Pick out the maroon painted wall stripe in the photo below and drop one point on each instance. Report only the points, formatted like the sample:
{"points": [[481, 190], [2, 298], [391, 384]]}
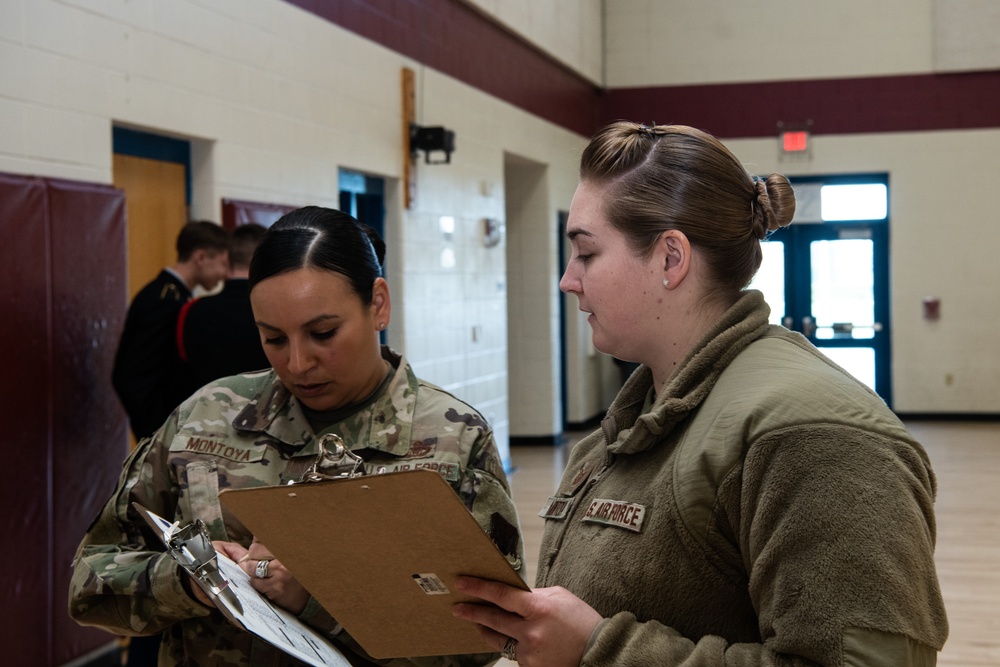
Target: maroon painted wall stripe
{"points": [[454, 38], [835, 106]]}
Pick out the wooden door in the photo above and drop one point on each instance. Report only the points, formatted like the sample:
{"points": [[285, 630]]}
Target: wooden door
{"points": [[156, 209]]}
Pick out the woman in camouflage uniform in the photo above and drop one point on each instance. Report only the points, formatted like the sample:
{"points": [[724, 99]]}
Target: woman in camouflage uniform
{"points": [[320, 303]]}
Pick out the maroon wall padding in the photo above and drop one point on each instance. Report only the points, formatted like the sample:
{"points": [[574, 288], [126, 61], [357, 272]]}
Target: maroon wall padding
{"points": [[454, 38], [236, 212], [25, 522], [63, 294], [89, 428]]}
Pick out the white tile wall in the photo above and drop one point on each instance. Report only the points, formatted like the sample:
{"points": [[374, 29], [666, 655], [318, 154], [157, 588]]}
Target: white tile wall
{"points": [[277, 100], [654, 43], [966, 34], [55, 29], [12, 22], [12, 138], [571, 31], [132, 12]]}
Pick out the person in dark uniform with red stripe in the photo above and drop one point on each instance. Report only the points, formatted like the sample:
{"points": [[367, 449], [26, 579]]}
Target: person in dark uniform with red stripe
{"points": [[148, 375]]}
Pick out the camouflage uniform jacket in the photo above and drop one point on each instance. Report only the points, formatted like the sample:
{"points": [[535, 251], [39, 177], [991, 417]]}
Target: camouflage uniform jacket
{"points": [[248, 430]]}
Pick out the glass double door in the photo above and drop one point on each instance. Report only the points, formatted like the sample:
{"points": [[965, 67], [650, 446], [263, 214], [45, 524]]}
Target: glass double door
{"points": [[829, 281]]}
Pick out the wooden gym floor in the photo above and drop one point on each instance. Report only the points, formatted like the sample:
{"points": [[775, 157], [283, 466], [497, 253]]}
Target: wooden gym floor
{"points": [[966, 458]]}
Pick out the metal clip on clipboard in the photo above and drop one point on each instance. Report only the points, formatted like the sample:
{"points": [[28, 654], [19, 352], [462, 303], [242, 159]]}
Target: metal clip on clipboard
{"points": [[334, 461], [192, 548]]}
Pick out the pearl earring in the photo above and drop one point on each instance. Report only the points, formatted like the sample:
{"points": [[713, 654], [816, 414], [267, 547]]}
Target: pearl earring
{"points": [[381, 325], [666, 283]]}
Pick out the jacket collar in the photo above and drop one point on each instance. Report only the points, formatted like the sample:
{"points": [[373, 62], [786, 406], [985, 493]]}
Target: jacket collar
{"points": [[275, 411], [744, 322], [169, 275]]}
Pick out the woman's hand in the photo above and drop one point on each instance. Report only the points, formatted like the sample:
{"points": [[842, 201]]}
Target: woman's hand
{"points": [[279, 586], [551, 625], [192, 588]]}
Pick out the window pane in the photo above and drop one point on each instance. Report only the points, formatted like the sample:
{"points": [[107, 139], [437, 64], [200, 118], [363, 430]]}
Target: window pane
{"points": [[863, 201], [858, 361], [843, 285], [770, 279]]}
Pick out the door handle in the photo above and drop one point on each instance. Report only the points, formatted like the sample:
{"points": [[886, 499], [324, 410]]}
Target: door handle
{"points": [[808, 327]]}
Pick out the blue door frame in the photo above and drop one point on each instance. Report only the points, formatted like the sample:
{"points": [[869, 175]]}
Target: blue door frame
{"points": [[154, 147], [799, 308], [363, 197]]}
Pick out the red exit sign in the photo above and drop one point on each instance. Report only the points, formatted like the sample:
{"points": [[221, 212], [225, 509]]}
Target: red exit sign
{"points": [[795, 141]]}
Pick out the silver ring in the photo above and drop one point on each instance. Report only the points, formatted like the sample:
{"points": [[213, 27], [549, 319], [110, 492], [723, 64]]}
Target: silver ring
{"points": [[261, 571], [509, 650]]}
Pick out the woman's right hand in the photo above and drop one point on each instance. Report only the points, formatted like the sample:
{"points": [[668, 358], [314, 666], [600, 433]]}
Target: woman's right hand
{"points": [[550, 625], [278, 586]]}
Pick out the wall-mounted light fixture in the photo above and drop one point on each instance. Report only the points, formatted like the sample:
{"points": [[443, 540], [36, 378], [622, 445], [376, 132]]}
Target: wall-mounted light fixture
{"points": [[492, 232], [429, 140]]}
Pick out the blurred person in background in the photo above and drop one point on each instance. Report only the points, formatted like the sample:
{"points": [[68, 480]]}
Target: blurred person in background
{"points": [[216, 334]]}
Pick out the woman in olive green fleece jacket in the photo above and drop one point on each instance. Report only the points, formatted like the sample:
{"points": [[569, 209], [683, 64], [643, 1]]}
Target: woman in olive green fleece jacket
{"points": [[746, 501]]}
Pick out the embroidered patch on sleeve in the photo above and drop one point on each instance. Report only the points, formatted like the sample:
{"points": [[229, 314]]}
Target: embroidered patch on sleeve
{"points": [[504, 535]]}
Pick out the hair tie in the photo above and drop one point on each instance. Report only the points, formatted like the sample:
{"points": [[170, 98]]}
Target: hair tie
{"points": [[760, 230], [650, 130]]}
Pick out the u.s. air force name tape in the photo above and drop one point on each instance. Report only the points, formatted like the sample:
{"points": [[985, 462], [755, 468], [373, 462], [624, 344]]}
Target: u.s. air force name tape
{"points": [[616, 513]]}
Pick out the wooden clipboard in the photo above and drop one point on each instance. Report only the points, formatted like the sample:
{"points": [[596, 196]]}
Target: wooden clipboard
{"points": [[381, 554]]}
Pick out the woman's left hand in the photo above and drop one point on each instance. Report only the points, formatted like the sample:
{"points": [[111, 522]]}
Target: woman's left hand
{"points": [[272, 580], [551, 625]]}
